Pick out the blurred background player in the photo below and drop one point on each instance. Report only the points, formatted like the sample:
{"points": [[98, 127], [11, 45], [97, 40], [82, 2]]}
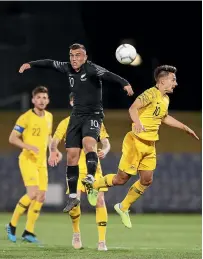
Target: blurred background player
{"points": [[148, 111], [85, 80], [101, 211], [32, 133]]}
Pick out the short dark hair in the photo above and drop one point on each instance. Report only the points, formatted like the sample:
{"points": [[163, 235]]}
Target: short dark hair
{"points": [[163, 70], [40, 89], [77, 46], [71, 95]]}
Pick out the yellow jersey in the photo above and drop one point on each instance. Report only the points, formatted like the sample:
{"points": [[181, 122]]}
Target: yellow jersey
{"points": [[61, 132], [35, 131], [155, 108]]}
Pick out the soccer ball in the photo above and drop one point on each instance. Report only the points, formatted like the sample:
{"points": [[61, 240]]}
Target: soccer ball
{"points": [[126, 54]]}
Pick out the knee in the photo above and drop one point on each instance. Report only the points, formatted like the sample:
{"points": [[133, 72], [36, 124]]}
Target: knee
{"points": [[32, 194], [41, 196], [88, 148], [146, 181], [89, 144], [120, 178], [119, 181], [72, 158], [100, 200]]}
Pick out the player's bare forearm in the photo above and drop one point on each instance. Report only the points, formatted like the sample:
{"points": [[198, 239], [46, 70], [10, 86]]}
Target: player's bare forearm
{"points": [[134, 115], [55, 155], [105, 148], [49, 143], [105, 145], [172, 122], [134, 108], [54, 145]]}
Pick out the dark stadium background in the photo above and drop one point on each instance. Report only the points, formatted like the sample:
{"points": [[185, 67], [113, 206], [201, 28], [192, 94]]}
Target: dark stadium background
{"points": [[162, 32]]}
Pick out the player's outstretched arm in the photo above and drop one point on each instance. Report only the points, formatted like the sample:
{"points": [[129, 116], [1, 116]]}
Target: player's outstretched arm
{"points": [[170, 121], [107, 75], [15, 139], [115, 78], [45, 63], [105, 148]]}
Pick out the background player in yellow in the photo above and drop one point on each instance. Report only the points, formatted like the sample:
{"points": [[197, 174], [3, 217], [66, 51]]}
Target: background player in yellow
{"points": [[148, 111], [32, 133], [101, 211]]}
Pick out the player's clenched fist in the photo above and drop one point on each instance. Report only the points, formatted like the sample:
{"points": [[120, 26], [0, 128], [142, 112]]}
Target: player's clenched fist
{"points": [[24, 67]]}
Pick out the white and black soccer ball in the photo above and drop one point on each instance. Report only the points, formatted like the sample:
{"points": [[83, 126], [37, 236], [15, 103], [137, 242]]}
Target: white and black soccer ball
{"points": [[126, 54]]}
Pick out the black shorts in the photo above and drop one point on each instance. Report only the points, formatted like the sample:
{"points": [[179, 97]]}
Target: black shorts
{"points": [[81, 126]]}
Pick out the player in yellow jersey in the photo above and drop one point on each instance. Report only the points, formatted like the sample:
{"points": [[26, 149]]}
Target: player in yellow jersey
{"points": [[148, 111], [101, 211], [32, 133]]}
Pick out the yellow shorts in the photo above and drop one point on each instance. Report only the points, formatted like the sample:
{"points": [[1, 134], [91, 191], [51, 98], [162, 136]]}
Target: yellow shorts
{"points": [[137, 154], [32, 174], [83, 173]]}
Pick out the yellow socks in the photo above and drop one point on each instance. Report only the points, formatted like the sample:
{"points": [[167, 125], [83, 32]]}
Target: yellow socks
{"points": [[105, 181], [75, 216], [33, 214], [20, 208], [135, 191], [101, 220]]}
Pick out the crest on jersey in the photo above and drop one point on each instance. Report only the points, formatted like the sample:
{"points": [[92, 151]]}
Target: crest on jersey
{"points": [[83, 77]]}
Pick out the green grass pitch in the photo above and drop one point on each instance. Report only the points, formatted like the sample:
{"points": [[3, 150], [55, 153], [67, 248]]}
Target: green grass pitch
{"points": [[152, 237]]}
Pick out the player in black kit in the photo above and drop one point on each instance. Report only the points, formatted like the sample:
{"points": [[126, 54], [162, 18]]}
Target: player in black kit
{"points": [[85, 80]]}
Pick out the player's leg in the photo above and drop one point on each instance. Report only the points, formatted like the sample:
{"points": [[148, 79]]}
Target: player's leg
{"points": [[28, 172], [91, 162], [134, 193], [75, 215], [146, 167], [90, 148], [127, 166], [90, 133], [110, 180], [73, 148], [137, 189], [101, 220], [36, 206], [22, 205], [147, 164]]}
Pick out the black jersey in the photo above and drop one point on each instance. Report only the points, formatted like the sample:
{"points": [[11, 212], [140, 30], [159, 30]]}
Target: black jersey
{"points": [[86, 84]]}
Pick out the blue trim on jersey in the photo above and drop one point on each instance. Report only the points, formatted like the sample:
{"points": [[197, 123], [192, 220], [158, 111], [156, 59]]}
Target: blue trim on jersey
{"points": [[19, 128]]}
